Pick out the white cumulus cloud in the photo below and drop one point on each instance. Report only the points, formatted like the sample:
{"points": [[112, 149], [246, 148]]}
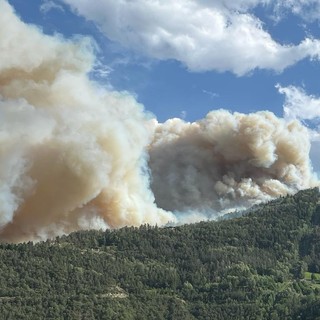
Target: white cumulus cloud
{"points": [[218, 35], [298, 104], [303, 106]]}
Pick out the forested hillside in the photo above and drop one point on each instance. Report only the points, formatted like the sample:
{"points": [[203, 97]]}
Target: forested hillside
{"points": [[264, 265]]}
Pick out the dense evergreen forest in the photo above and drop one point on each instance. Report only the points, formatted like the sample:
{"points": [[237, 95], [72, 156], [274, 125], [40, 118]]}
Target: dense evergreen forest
{"points": [[263, 265]]}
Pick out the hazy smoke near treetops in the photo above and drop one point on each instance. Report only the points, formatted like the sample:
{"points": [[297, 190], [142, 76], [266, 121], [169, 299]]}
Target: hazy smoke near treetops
{"points": [[74, 155]]}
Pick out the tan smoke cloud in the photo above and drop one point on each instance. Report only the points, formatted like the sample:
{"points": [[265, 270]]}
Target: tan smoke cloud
{"points": [[73, 155], [227, 161]]}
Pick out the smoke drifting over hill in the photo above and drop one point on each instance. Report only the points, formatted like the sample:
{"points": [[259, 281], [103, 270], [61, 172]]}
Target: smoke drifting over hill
{"points": [[74, 155], [228, 160]]}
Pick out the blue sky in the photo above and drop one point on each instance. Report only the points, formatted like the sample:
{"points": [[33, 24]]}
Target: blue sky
{"points": [[173, 82]]}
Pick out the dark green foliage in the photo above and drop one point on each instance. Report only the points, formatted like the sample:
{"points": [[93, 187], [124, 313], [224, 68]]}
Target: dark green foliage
{"points": [[264, 265]]}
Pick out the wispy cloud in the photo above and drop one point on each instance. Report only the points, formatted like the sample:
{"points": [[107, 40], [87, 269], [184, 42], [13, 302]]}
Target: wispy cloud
{"points": [[306, 9], [101, 70], [183, 114], [298, 104], [211, 94], [49, 5]]}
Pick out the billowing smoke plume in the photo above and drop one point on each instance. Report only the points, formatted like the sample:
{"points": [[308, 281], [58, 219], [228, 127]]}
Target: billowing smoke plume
{"points": [[73, 155], [227, 161]]}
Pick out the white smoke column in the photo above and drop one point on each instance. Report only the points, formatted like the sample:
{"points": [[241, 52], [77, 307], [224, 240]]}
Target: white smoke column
{"points": [[227, 161], [72, 155]]}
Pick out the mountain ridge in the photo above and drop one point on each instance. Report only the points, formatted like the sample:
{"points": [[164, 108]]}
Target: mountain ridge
{"points": [[263, 265]]}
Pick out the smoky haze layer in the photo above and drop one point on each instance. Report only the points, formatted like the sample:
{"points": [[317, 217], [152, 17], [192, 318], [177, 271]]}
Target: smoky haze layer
{"points": [[227, 161], [74, 155]]}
